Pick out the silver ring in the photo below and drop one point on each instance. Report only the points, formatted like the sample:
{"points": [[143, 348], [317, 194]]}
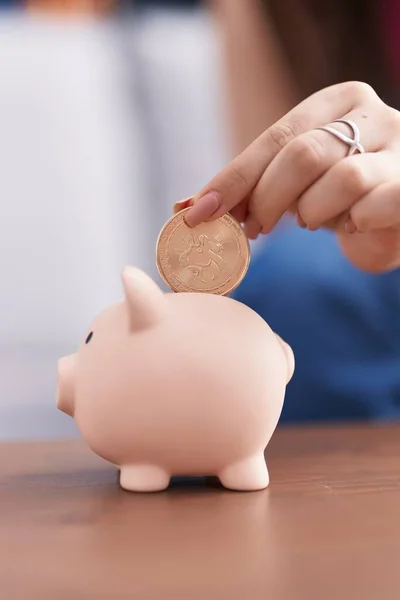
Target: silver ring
{"points": [[354, 144]]}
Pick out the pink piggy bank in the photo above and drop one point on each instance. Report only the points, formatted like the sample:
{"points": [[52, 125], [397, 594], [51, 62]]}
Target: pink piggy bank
{"points": [[177, 384]]}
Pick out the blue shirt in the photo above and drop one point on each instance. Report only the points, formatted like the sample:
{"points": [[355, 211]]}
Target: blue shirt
{"points": [[343, 326]]}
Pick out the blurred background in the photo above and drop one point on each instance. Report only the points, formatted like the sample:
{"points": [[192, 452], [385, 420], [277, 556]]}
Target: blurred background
{"points": [[109, 113]]}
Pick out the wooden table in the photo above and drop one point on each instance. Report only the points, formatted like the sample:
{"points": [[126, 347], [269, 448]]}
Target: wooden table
{"points": [[327, 528]]}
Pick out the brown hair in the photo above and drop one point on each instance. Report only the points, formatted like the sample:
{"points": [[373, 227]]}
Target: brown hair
{"points": [[330, 41]]}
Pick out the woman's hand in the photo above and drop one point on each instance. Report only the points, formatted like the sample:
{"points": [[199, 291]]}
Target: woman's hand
{"points": [[295, 167]]}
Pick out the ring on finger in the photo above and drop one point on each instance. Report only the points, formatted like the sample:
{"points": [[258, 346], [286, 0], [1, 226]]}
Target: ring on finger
{"points": [[353, 143]]}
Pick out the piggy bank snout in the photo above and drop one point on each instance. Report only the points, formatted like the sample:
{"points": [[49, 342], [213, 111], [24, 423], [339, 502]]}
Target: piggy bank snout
{"points": [[66, 384]]}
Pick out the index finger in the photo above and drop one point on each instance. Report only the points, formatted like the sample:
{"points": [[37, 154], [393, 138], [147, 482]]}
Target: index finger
{"points": [[237, 180]]}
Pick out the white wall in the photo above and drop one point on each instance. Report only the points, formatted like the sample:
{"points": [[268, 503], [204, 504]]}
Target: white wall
{"points": [[102, 128]]}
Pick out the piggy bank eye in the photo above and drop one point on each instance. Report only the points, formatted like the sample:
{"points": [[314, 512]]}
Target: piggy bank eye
{"points": [[89, 337]]}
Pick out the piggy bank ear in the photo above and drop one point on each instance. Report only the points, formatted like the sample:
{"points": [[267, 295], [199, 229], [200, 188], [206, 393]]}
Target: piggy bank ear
{"points": [[144, 299]]}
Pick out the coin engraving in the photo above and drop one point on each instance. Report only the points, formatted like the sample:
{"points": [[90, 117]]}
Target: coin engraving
{"points": [[212, 257]]}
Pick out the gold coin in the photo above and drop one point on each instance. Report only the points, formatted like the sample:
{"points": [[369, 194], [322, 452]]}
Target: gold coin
{"points": [[212, 257]]}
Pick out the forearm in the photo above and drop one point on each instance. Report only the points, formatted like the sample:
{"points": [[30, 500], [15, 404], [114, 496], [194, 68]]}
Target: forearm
{"points": [[258, 83]]}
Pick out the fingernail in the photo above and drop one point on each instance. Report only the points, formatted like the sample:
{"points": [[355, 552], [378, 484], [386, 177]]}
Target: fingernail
{"points": [[203, 209], [349, 226], [181, 204]]}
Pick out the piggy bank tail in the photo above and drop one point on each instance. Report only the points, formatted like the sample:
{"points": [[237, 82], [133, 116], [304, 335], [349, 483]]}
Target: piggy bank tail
{"points": [[289, 356]]}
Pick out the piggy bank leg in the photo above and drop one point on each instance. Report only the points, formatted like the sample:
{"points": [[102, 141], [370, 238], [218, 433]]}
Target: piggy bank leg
{"points": [[143, 478], [247, 475]]}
